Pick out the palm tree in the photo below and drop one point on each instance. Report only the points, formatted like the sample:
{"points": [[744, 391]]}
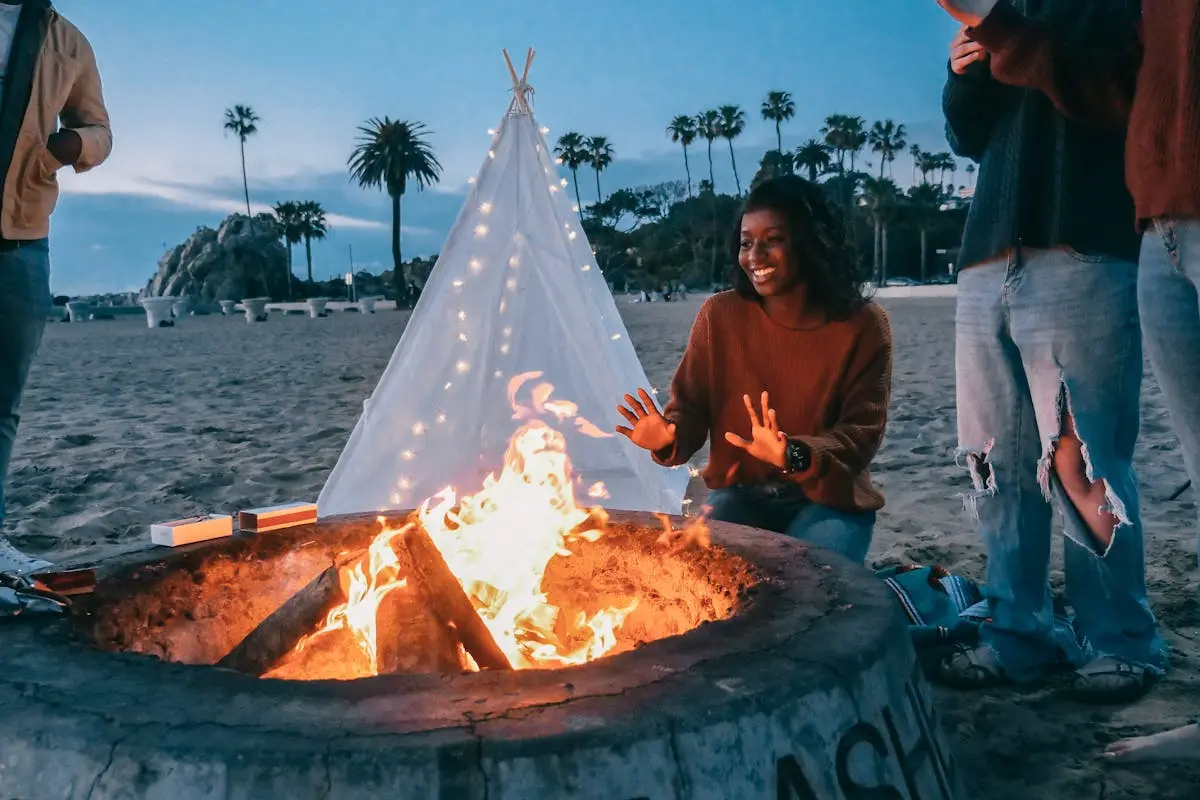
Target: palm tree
{"points": [[925, 201], [708, 126], [833, 134], [571, 148], [916, 152], [778, 108], [390, 152], [814, 157], [927, 164], [879, 195], [732, 123], [600, 156], [855, 135], [682, 131], [313, 225], [288, 214], [242, 122], [887, 139], [971, 175]]}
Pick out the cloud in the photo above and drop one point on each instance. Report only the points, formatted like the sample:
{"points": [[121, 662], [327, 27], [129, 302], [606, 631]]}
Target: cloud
{"points": [[190, 196]]}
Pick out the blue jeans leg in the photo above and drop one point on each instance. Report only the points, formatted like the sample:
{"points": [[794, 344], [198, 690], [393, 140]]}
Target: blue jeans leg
{"points": [[1062, 331], [24, 305], [785, 509], [1168, 278], [846, 533], [998, 444]]}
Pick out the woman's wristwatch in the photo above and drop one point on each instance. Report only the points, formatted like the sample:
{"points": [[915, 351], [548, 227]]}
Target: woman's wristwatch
{"points": [[797, 457]]}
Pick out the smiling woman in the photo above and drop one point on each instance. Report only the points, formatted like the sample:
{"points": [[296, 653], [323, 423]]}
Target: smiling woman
{"points": [[788, 375]]}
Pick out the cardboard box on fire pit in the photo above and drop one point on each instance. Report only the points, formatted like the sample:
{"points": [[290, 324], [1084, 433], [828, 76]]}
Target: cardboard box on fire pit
{"points": [[272, 518], [191, 530]]}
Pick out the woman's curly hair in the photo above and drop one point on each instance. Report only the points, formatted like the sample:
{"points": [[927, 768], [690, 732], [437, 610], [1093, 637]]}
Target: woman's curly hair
{"points": [[827, 263]]}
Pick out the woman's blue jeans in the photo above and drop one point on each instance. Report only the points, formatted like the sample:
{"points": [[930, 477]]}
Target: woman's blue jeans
{"points": [[785, 509]]}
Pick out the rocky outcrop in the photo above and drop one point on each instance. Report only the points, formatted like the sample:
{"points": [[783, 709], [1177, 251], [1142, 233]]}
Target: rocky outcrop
{"points": [[237, 260]]}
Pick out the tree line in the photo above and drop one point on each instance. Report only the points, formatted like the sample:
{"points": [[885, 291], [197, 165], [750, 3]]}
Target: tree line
{"points": [[674, 231]]}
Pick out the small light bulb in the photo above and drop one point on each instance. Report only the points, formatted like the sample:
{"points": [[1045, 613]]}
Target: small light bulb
{"points": [[418, 428], [462, 337], [511, 283], [462, 316], [471, 179], [408, 455], [457, 284], [545, 131], [513, 261], [563, 182], [481, 230], [447, 386], [575, 207], [553, 188], [616, 336], [571, 236], [491, 132], [585, 268], [405, 484], [485, 207], [491, 153], [558, 161], [475, 264], [504, 349], [441, 418], [462, 367], [497, 374], [507, 330]]}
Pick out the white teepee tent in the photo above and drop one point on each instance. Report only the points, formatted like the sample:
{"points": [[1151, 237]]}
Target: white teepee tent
{"points": [[516, 290]]}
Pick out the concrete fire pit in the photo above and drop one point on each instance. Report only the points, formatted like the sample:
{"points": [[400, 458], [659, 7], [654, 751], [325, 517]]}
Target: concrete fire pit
{"points": [[810, 689]]}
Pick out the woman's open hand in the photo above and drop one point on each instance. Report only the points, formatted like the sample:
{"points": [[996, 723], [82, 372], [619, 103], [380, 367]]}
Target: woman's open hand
{"points": [[767, 443], [650, 429]]}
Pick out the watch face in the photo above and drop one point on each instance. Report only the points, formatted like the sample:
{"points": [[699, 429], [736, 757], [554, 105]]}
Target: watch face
{"points": [[795, 458]]}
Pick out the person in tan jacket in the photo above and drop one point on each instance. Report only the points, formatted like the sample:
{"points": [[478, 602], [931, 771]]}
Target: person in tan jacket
{"points": [[52, 116]]}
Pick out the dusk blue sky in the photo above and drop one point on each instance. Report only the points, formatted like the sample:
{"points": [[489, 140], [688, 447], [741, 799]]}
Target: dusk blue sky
{"points": [[315, 70]]}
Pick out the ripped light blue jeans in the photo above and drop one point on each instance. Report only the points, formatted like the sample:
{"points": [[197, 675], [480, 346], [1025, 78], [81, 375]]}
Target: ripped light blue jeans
{"points": [[1038, 334], [785, 509], [1169, 275]]}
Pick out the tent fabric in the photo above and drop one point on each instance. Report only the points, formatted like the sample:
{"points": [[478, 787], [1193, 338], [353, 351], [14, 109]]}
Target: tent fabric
{"points": [[516, 292]]}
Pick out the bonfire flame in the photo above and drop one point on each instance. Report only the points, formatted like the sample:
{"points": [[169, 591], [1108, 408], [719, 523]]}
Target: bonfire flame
{"points": [[498, 543], [369, 581]]}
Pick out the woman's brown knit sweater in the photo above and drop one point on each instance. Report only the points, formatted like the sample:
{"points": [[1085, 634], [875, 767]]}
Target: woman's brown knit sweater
{"points": [[829, 387]]}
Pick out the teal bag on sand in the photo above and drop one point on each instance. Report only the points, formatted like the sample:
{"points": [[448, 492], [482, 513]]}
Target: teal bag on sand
{"points": [[947, 611]]}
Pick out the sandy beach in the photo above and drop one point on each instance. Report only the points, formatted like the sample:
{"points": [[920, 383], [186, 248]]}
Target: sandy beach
{"points": [[123, 426]]}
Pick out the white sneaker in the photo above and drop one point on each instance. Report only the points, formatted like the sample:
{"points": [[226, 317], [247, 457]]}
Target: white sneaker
{"points": [[13, 560]]}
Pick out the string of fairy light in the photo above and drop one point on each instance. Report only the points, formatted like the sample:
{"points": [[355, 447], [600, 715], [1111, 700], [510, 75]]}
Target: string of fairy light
{"points": [[475, 265]]}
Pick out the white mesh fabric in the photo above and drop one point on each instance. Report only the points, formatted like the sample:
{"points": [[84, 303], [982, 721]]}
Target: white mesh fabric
{"points": [[516, 290]]}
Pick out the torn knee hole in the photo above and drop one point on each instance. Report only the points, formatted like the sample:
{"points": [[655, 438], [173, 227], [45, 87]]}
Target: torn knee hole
{"points": [[980, 468]]}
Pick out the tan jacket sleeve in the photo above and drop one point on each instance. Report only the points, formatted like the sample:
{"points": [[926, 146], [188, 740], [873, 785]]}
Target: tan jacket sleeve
{"points": [[84, 111]]}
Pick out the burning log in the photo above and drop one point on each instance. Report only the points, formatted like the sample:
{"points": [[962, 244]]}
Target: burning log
{"points": [[278, 634], [410, 638], [448, 600]]}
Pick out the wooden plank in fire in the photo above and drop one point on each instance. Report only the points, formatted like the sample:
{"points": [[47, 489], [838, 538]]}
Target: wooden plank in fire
{"points": [[449, 601], [279, 633]]}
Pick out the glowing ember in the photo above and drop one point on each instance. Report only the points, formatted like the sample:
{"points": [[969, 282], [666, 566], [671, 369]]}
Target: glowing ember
{"points": [[499, 541]]}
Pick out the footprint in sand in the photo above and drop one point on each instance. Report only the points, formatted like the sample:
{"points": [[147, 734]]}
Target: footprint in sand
{"points": [[79, 439]]}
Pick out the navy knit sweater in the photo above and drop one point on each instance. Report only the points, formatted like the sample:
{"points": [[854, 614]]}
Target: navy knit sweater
{"points": [[1045, 181]]}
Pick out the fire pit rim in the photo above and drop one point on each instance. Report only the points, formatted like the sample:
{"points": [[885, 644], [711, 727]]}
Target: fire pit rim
{"points": [[667, 681]]}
